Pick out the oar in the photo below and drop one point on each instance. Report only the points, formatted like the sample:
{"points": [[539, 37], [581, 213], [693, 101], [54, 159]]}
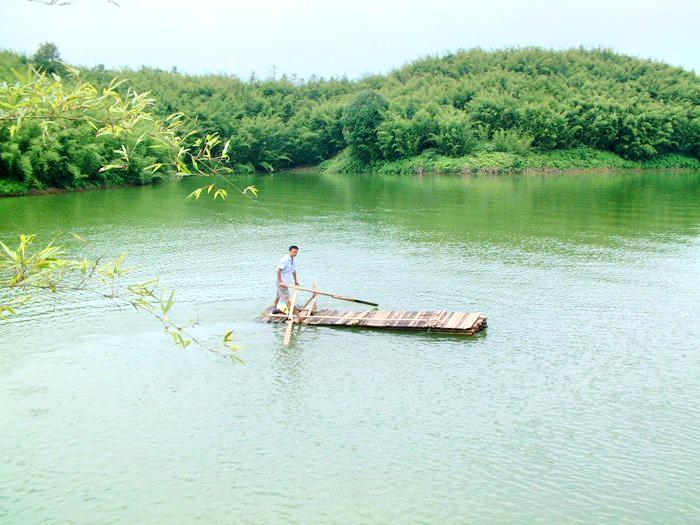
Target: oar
{"points": [[290, 320], [333, 295]]}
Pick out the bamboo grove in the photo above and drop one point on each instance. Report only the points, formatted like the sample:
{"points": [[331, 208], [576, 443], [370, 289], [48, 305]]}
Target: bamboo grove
{"points": [[530, 106]]}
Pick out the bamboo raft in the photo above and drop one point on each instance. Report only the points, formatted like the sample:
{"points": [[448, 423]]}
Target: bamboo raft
{"points": [[442, 321], [435, 321]]}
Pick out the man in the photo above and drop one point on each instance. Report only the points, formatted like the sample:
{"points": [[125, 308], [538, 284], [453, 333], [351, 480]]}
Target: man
{"points": [[286, 274]]}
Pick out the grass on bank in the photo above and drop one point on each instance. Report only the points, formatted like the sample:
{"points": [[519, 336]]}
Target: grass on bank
{"points": [[505, 162]]}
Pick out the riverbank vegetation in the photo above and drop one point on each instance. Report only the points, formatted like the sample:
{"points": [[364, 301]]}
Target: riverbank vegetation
{"points": [[468, 111], [494, 162], [71, 133]]}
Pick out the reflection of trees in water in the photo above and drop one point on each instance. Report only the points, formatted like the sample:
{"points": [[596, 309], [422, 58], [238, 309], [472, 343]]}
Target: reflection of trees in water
{"points": [[591, 208]]}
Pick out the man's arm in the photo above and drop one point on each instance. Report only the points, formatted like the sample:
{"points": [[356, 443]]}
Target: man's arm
{"points": [[296, 281], [279, 278]]}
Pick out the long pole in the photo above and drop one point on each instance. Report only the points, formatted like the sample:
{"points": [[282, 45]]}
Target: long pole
{"points": [[290, 320], [333, 295]]}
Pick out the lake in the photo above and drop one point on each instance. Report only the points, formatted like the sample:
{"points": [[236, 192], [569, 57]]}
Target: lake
{"points": [[578, 404]]}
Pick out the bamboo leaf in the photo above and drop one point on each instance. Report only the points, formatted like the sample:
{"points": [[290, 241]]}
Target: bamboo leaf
{"points": [[10, 253], [196, 194], [251, 189], [112, 167], [167, 305]]}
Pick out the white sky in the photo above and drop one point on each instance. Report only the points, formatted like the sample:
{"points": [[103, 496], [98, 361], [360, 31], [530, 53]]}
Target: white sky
{"points": [[333, 38]]}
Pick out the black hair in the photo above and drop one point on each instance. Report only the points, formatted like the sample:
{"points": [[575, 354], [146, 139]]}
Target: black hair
{"points": [[293, 247]]}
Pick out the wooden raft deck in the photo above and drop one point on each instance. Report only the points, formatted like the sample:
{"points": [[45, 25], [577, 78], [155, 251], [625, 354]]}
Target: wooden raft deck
{"points": [[433, 321]]}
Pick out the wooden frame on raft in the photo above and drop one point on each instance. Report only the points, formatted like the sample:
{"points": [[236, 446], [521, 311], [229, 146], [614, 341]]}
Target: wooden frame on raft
{"points": [[313, 301]]}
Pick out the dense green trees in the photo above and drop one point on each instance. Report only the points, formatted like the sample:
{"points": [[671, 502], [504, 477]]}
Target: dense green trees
{"points": [[67, 132], [458, 105], [72, 158], [361, 120], [70, 134]]}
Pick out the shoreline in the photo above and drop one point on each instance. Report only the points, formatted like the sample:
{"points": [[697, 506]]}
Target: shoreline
{"points": [[58, 191], [424, 172], [527, 171]]}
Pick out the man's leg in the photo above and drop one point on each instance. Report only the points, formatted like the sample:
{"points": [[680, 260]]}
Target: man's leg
{"points": [[285, 298], [281, 294]]}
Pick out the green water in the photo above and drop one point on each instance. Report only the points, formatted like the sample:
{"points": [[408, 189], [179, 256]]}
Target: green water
{"points": [[579, 404]]}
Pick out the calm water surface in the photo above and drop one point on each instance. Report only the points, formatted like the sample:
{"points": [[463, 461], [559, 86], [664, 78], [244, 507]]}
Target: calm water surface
{"points": [[581, 404]]}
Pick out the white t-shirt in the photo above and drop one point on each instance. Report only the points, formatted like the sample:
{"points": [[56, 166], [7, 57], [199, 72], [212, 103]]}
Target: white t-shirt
{"points": [[288, 266]]}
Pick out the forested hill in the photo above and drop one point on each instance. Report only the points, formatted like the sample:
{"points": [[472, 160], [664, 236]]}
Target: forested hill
{"points": [[525, 104]]}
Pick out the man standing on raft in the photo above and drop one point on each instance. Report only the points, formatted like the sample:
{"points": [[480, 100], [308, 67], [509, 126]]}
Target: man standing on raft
{"points": [[286, 274]]}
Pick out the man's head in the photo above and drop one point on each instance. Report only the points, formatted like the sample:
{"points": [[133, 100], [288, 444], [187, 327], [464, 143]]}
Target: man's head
{"points": [[293, 250]]}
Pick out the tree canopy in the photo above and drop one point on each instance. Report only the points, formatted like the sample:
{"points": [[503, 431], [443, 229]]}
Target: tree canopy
{"points": [[361, 120], [48, 59]]}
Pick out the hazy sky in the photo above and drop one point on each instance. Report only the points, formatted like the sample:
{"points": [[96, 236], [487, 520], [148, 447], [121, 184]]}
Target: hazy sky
{"points": [[344, 37]]}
